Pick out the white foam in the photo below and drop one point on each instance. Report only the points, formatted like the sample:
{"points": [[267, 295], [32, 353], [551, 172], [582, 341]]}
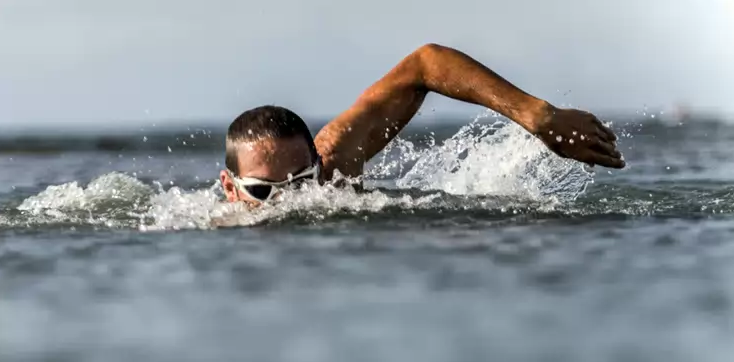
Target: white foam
{"points": [[177, 209], [494, 159], [106, 197]]}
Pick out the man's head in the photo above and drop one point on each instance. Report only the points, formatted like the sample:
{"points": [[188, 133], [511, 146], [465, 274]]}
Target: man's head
{"points": [[268, 144]]}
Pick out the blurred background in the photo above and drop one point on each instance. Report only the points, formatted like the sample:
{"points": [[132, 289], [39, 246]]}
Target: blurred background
{"points": [[471, 243], [92, 65]]}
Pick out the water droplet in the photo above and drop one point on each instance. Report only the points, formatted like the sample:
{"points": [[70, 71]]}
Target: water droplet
{"points": [[559, 138], [574, 133], [570, 141], [249, 131], [145, 139], [169, 149], [582, 137], [550, 132]]}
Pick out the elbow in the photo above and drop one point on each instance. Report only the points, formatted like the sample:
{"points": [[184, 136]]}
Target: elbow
{"points": [[430, 48], [416, 67], [424, 59], [431, 52]]}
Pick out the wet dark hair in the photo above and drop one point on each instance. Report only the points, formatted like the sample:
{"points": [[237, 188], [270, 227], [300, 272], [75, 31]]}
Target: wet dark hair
{"points": [[265, 122]]}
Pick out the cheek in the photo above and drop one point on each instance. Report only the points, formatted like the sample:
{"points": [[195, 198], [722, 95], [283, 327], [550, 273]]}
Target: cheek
{"points": [[243, 198]]}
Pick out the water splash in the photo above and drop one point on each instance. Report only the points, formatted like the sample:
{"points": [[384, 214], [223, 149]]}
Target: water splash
{"points": [[177, 209], [499, 159], [110, 199]]}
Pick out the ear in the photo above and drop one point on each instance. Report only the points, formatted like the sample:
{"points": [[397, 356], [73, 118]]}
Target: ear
{"points": [[228, 185]]}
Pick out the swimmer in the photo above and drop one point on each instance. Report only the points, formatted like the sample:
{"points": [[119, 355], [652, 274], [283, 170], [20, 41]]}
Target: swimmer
{"points": [[270, 147]]}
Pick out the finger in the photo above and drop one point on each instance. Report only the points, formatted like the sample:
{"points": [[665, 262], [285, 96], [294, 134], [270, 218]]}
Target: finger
{"points": [[607, 149], [605, 132], [601, 135], [606, 161]]}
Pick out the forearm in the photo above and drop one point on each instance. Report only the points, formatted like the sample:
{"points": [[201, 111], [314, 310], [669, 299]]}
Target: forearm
{"points": [[456, 75]]}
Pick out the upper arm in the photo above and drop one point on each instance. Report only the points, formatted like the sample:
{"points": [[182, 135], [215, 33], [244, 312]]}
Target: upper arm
{"points": [[363, 130]]}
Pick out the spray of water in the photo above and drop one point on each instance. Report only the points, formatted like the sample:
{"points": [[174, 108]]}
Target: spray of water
{"points": [[110, 200], [497, 158]]}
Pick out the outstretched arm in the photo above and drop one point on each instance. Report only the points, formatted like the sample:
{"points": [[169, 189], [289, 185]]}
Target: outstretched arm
{"points": [[363, 130]]}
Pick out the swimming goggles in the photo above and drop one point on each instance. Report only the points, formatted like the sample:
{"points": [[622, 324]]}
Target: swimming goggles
{"points": [[263, 190]]}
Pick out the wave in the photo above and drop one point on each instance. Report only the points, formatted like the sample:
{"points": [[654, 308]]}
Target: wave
{"points": [[196, 140]]}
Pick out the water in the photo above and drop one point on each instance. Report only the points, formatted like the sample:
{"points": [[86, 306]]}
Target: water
{"points": [[471, 243]]}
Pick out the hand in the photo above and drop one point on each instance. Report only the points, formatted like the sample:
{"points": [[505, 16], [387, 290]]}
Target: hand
{"points": [[579, 135]]}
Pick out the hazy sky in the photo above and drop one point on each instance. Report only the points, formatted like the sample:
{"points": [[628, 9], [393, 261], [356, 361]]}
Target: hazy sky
{"points": [[102, 62]]}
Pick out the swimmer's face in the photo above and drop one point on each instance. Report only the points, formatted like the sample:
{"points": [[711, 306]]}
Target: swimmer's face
{"points": [[267, 159]]}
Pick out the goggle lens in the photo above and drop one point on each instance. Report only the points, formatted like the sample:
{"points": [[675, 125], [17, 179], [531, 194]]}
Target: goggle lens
{"points": [[260, 192]]}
